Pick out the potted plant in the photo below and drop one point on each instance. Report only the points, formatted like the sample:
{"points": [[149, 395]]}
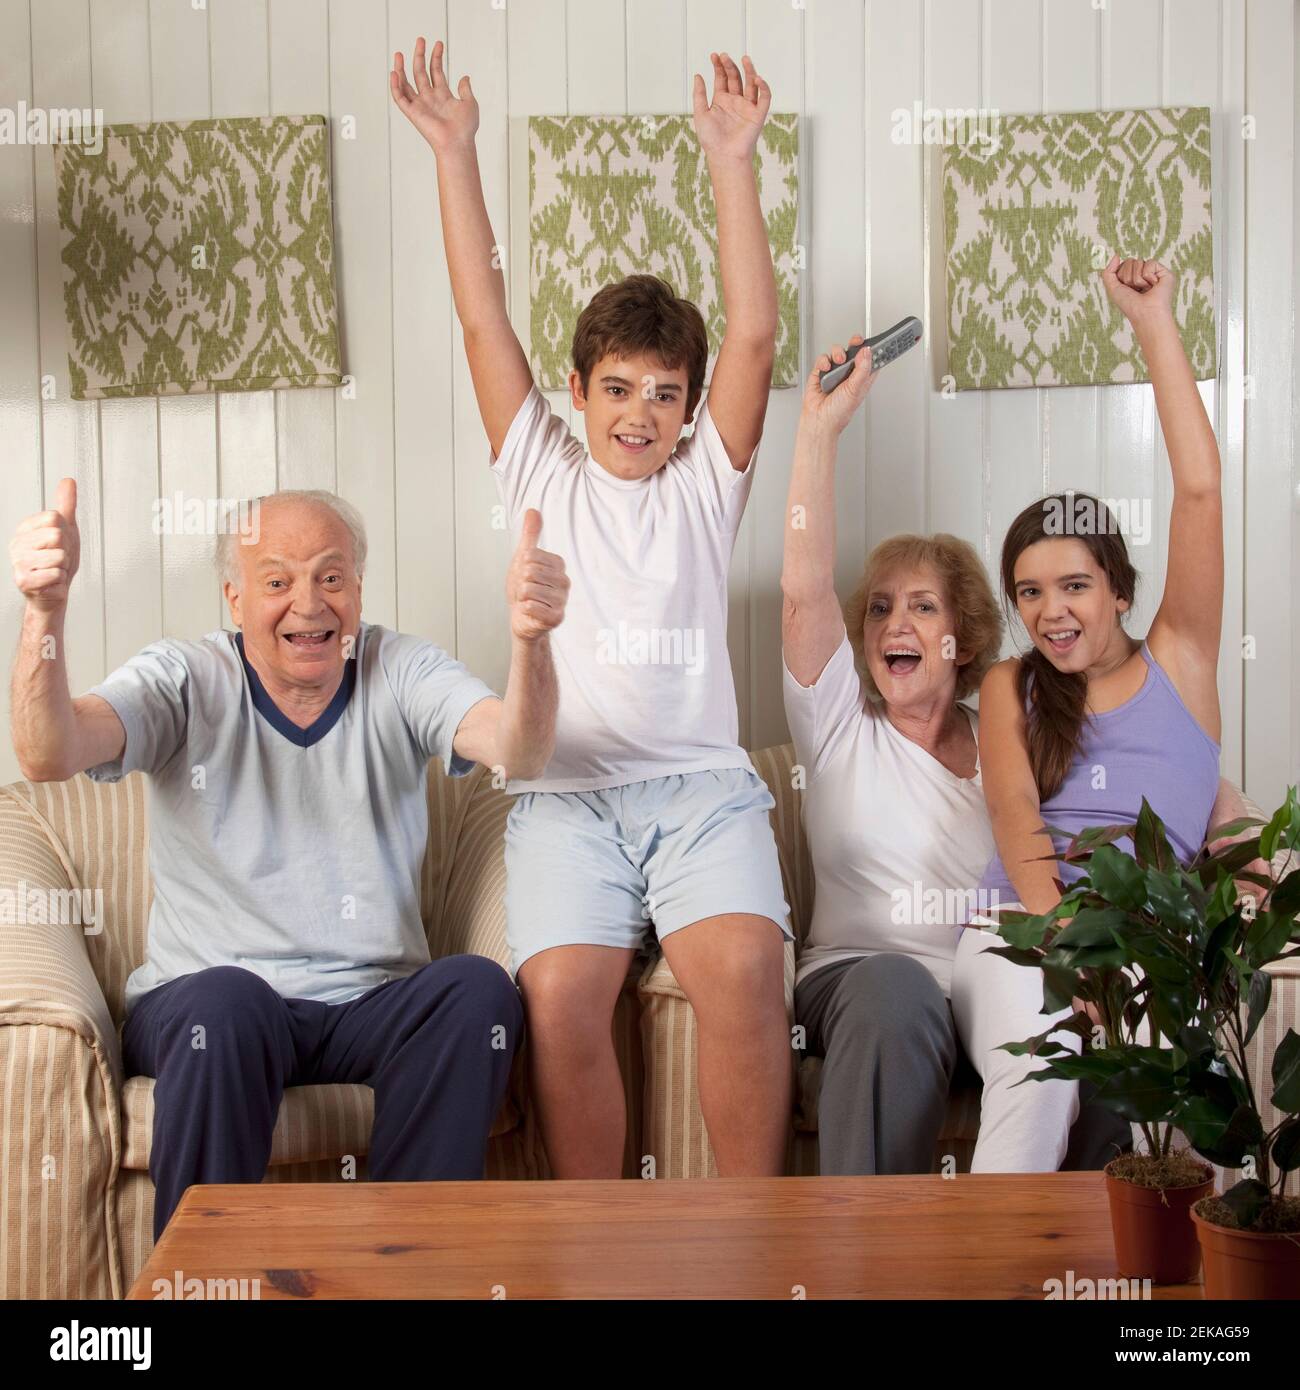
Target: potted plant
{"points": [[1163, 964]]}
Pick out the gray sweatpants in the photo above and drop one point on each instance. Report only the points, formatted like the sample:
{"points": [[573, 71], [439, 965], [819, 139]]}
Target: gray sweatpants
{"points": [[891, 1050]]}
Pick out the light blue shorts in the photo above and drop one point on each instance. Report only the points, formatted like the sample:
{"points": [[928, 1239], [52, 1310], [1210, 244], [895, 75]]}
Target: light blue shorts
{"points": [[621, 866]]}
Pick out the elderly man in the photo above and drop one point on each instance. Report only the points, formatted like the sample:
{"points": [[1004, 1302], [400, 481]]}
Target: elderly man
{"points": [[288, 822]]}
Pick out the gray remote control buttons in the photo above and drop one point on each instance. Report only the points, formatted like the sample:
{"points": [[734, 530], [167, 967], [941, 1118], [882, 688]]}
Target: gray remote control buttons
{"points": [[886, 346]]}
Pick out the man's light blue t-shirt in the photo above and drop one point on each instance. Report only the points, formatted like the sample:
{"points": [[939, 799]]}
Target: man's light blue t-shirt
{"points": [[295, 853]]}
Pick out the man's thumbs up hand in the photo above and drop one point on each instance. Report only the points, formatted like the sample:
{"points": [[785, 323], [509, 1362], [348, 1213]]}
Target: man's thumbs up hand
{"points": [[537, 587], [46, 551]]}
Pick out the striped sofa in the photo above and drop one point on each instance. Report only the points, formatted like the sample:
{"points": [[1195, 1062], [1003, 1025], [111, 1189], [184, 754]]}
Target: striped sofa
{"points": [[76, 1201]]}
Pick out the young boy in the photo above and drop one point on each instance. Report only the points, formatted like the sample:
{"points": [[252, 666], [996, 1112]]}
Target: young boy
{"points": [[649, 808]]}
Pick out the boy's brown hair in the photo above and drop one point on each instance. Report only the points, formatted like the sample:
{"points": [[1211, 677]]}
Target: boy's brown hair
{"points": [[642, 316]]}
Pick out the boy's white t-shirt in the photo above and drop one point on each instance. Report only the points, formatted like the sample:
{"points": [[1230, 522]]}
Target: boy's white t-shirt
{"points": [[645, 684], [898, 843]]}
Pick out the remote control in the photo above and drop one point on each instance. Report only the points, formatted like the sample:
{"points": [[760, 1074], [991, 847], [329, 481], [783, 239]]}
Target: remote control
{"points": [[886, 346]]}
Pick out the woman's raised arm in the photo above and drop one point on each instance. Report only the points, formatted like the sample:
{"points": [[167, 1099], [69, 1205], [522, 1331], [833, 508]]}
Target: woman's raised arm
{"points": [[812, 625]]}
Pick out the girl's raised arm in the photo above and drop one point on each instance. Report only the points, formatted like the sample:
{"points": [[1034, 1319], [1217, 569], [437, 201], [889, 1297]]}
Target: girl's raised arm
{"points": [[1185, 632]]}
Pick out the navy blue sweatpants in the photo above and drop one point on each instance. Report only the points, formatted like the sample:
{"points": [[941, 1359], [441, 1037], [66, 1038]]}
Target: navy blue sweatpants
{"points": [[435, 1046]]}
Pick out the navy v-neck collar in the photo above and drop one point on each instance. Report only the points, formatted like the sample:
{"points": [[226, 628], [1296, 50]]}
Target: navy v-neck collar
{"points": [[280, 722]]}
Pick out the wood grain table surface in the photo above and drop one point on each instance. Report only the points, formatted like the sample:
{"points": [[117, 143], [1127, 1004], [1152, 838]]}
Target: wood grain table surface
{"points": [[970, 1236]]}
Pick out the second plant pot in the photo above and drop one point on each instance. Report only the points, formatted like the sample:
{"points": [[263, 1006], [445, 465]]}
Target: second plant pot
{"points": [[1248, 1264]]}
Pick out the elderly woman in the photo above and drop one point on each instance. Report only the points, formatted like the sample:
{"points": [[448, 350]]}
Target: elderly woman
{"points": [[888, 984]]}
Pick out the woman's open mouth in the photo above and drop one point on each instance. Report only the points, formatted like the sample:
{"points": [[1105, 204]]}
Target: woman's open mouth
{"points": [[902, 661], [310, 639]]}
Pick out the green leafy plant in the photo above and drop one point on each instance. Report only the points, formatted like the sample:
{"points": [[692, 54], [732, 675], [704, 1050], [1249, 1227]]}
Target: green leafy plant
{"points": [[1168, 961]]}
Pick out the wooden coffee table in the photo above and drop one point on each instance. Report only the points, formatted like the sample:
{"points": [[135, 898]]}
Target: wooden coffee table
{"points": [[970, 1236]]}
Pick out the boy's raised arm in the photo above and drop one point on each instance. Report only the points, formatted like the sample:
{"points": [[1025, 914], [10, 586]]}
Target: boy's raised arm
{"points": [[497, 363], [728, 130]]}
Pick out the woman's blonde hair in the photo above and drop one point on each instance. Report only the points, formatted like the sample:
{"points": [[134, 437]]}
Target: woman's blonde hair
{"points": [[966, 589]]}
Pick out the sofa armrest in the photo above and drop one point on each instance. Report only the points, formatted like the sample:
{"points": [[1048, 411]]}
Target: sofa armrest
{"points": [[60, 1123], [46, 977]]}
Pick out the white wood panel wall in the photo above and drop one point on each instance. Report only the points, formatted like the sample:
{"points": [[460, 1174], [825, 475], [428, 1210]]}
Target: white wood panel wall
{"points": [[408, 447]]}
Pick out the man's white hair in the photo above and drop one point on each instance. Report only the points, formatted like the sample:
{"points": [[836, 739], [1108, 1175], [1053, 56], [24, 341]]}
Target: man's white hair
{"points": [[228, 538]]}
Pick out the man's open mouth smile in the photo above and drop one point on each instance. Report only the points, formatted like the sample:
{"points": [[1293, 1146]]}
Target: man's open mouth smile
{"points": [[310, 638]]}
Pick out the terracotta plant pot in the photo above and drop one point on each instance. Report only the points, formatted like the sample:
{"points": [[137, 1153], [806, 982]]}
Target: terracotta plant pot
{"points": [[1154, 1237], [1248, 1264]]}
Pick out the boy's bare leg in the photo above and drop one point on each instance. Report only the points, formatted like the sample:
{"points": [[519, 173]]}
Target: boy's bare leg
{"points": [[569, 995], [732, 968]]}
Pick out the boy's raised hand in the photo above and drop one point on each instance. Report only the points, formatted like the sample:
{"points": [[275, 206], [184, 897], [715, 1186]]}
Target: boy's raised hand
{"points": [[730, 124], [1140, 289], [537, 587], [445, 120]]}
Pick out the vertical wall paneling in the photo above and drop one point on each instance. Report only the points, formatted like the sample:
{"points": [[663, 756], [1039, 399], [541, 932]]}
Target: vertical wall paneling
{"points": [[359, 103], [20, 401], [955, 496], [239, 73], [1132, 66], [1197, 64], [119, 62], [1270, 338], [538, 87], [1228, 391], [299, 40], [896, 408], [70, 430], [478, 45], [839, 245], [1293, 773], [187, 425], [1013, 36], [424, 334], [1070, 83]]}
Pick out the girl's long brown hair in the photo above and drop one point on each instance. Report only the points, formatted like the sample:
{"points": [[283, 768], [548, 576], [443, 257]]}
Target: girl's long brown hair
{"points": [[1055, 701]]}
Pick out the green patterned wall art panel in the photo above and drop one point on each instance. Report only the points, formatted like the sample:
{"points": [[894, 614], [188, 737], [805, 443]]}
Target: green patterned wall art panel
{"points": [[610, 196], [199, 256], [1029, 219]]}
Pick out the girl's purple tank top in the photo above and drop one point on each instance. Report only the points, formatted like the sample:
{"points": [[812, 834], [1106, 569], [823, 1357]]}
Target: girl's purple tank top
{"points": [[1149, 746]]}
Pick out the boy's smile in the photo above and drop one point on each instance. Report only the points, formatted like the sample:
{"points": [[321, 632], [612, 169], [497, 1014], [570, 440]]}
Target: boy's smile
{"points": [[635, 409]]}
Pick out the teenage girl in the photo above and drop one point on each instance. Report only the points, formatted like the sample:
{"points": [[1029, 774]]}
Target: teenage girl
{"points": [[1091, 719]]}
